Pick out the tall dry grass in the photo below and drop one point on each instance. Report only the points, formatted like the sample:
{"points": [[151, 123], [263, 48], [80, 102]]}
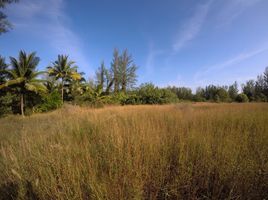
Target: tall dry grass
{"points": [[184, 151]]}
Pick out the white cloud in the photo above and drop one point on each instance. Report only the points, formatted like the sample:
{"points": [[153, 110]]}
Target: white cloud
{"points": [[150, 59], [47, 20], [231, 9], [228, 63], [192, 27]]}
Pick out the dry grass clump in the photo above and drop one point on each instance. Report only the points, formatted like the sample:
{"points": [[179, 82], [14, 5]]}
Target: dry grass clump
{"points": [[183, 151]]}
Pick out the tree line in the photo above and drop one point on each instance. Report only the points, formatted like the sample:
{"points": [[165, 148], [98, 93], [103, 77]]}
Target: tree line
{"points": [[23, 88]]}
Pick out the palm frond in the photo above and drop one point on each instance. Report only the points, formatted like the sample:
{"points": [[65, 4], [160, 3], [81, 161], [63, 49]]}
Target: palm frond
{"points": [[36, 87], [12, 82]]}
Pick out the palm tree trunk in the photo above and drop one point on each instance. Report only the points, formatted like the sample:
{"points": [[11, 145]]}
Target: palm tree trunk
{"points": [[62, 90], [22, 105]]}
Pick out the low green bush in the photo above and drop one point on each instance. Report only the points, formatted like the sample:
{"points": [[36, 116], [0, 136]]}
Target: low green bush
{"points": [[242, 98], [49, 102], [6, 104]]}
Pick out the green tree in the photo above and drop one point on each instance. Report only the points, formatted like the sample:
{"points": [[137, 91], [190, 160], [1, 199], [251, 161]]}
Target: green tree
{"points": [[23, 76], [182, 93], [127, 71], [65, 70], [223, 94], [3, 67], [233, 91], [115, 70], [260, 89], [4, 23], [265, 82], [242, 98], [100, 75], [109, 81], [249, 89]]}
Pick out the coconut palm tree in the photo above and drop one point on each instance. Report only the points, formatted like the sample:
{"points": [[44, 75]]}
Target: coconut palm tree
{"points": [[65, 70], [3, 66], [23, 76]]}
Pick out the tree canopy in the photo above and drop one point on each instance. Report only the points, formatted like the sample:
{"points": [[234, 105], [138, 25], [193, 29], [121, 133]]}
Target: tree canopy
{"points": [[5, 25]]}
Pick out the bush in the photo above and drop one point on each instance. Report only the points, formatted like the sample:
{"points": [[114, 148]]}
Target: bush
{"points": [[149, 94], [49, 102], [223, 95], [241, 98], [261, 98], [198, 98], [93, 98], [6, 104], [168, 96], [131, 99]]}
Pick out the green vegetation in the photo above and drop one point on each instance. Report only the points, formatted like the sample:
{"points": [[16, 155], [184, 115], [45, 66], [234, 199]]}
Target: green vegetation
{"points": [[217, 149], [242, 98], [182, 151], [4, 23], [22, 77], [23, 89], [63, 69]]}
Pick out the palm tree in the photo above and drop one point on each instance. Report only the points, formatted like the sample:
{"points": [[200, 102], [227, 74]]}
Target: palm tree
{"points": [[64, 70], [23, 76], [3, 66]]}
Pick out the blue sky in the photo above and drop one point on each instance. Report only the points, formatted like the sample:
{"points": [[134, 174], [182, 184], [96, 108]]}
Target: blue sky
{"points": [[174, 42]]}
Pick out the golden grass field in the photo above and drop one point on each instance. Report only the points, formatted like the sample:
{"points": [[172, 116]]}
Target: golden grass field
{"points": [[182, 151]]}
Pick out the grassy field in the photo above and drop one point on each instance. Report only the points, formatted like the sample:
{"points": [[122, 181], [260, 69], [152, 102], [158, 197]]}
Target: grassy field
{"points": [[184, 151]]}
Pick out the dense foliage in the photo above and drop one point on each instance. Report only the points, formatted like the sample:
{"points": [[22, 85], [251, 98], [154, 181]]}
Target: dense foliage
{"points": [[24, 91], [5, 25]]}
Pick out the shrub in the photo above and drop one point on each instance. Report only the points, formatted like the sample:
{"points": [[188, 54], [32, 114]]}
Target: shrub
{"points": [[217, 98], [131, 99], [149, 94], [198, 98], [168, 96], [49, 102], [223, 95], [261, 98], [241, 98], [93, 98], [6, 104]]}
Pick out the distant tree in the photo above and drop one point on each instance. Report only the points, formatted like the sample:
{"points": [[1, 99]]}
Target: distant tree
{"points": [[3, 67], [233, 91], [115, 70], [127, 71], [109, 80], [4, 23], [148, 93], [210, 92], [76, 87], [249, 89], [23, 76], [100, 75], [260, 87], [200, 95], [242, 98], [223, 94], [65, 70], [182, 92], [265, 82]]}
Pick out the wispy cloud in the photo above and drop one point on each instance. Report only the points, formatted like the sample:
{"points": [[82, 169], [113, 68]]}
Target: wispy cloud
{"points": [[192, 27], [177, 82], [47, 20], [230, 62], [150, 59], [231, 9]]}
